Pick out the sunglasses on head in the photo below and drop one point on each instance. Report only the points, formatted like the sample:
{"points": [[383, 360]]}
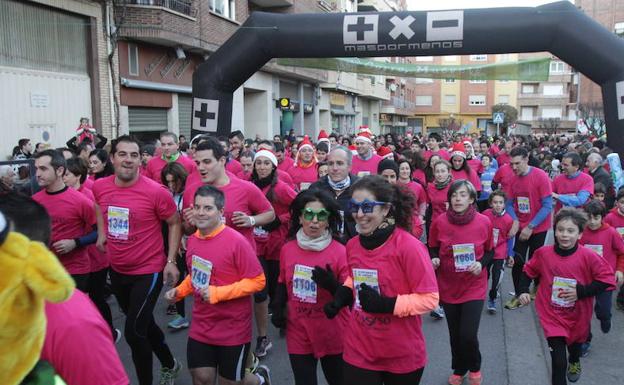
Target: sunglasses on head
{"points": [[366, 205], [321, 215]]}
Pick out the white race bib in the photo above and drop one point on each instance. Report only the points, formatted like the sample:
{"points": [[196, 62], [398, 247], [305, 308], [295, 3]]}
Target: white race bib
{"points": [[595, 248], [363, 173], [201, 270], [304, 288], [464, 256], [259, 232], [118, 222], [304, 186], [367, 276], [559, 285], [495, 233], [524, 205], [486, 185]]}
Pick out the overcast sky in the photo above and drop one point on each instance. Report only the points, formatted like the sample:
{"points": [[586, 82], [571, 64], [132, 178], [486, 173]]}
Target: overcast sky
{"points": [[421, 5]]}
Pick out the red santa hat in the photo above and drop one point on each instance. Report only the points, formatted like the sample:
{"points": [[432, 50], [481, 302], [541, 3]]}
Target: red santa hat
{"points": [[353, 149], [458, 150], [323, 137], [267, 154], [364, 134], [305, 142], [385, 152]]}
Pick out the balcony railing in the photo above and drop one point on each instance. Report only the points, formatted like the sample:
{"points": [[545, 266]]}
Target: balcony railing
{"points": [[181, 6]]}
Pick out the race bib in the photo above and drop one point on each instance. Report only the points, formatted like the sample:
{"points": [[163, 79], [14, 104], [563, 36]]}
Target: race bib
{"points": [[259, 232], [363, 173], [620, 230], [201, 270], [464, 256], [559, 285], [486, 185], [367, 276], [304, 186], [118, 222], [524, 205], [495, 233], [304, 288], [595, 248]]}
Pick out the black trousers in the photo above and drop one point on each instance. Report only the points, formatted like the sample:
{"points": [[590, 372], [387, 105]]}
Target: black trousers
{"points": [[495, 271], [463, 323], [558, 348], [359, 376], [137, 296], [181, 264], [523, 251], [82, 282], [97, 293], [304, 368]]}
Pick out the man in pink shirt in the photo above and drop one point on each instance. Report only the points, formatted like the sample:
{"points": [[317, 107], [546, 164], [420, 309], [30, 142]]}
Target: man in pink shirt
{"points": [[72, 214], [283, 162], [170, 153], [366, 161], [572, 188], [433, 145]]}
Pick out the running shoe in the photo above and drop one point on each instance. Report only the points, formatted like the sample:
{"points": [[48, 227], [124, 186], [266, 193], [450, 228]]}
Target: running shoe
{"points": [[171, 310], [168, 376], [474, 378], [263, 344], [491, 306], [178, 323], [585, 348], [605, 325], [438, 313], [574, 371], [254, 364], [117, 336], [456, 379], [263, 372], [513, 303]]}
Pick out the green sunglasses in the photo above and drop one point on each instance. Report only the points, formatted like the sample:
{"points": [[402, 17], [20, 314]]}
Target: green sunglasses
{"points": [[321, 215]]}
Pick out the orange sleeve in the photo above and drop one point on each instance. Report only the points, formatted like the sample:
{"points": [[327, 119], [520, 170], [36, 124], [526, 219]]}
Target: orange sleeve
{"points": [[348, 283], [415, 304], [238, 289], [184, 289]]}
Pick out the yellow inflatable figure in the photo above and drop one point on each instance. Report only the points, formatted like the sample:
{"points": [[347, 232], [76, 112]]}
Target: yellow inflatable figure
{"points": [[29, 275]]}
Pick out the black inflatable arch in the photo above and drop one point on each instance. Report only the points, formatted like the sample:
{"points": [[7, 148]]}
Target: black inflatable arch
{"points": [[559, 28]]}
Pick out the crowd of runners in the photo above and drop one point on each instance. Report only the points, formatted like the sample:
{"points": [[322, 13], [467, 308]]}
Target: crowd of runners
{"points": [[342, 243]]}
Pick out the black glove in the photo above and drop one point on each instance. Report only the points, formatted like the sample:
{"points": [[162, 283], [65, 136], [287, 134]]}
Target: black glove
{"points": [[325, 278], [373, 302], [343, 297], [278, 319]]}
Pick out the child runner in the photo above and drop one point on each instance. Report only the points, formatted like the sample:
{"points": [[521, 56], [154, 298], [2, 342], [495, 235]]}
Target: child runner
{"points": [[501, 223], [570, 275], [460, 244], [303, 289]]}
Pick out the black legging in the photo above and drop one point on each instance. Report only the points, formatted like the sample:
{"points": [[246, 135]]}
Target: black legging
{"points": [[304, 368], [359, 376], [82, 282], [558, 347], [137, 296], [534, 242], [97, 293], [495, 270], [463, 323]]}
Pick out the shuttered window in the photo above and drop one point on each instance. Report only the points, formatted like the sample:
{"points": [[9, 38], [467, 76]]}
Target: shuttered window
{"points": [[147, 119], [185, 105]]}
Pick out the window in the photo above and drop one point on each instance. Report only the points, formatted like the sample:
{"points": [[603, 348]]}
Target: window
{"points": [[424, 100], [551, 112], [478, 57], [528, 88], [424, 81], [557, 67], [450, 58], [504, 57], [526, 113], [449, 80], [477, 81], [450, 99], [619, 29], [553, 89], [224, 8], [503, 99], [424, 58], [476, 100], [133, 60]]}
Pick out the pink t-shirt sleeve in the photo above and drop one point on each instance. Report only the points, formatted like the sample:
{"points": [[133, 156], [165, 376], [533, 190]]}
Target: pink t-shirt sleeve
{"points": [[166, 206], [417, 265], [433, 234], [533, 267], [258, 203], [247, 262]]}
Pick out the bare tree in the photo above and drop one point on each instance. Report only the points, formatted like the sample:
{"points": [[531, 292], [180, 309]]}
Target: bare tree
{"points": [[450, 124], [550, 125], [592, 116]]}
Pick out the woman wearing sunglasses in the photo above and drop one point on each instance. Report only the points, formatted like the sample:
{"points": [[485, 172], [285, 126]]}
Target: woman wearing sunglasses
{"points": [[460, 244], [391, 282], [310, 336]]}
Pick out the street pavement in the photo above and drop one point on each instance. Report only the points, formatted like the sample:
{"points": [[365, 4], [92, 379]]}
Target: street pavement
{"points": [[513, 348]]}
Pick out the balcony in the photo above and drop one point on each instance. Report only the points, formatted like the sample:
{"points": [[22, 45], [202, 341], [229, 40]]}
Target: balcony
{"points": [[183, 7], [398, 106], [272, 3]]}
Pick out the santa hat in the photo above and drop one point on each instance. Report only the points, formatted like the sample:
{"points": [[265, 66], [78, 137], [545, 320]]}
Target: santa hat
{"points": [[353, 149], [385, 152], [267, 154], [323, 137], [305, 142], [364, 134], [469, 143], [458, 150]]}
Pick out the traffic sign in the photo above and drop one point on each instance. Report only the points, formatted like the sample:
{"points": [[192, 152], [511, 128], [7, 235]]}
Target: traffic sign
{"points": [[498, 117]]}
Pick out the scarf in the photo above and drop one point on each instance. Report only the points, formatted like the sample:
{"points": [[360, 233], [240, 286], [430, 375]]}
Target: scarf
{"points": [[313, 244], [341, 185], [461, 219], [377, 237], [262, 182], [442, 185], [564, 252], [367, 157], [171, 158]]}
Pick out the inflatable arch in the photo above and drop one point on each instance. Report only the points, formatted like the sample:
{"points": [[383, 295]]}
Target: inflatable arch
{"points": [[559, 28]]}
